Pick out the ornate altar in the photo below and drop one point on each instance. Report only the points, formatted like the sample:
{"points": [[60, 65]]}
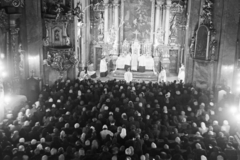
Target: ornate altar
{"points": [[125, 47]]}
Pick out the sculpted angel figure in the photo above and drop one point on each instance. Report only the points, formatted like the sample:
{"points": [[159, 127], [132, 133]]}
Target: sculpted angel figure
{"points": [[59, 10]]}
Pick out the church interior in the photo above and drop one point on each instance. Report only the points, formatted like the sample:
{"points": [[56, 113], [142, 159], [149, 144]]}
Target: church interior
{"points": [[174, 48]]}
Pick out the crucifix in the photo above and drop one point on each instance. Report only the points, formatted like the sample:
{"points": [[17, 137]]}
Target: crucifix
{"points": [[136, 33]]}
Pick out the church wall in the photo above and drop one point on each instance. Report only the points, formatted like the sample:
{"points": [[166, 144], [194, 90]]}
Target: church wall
{"points": [[193, 24], [225, 19], [34, 36], [227, 50]]}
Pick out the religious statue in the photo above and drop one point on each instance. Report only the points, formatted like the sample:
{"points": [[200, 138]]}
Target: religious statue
{"points": [[112, 35], [160, 35], [46, 41], [192, 46], [181, 73], [67, 41], [44, 6], [101, 28], [173, 28], [77, 11], [59, 10]]}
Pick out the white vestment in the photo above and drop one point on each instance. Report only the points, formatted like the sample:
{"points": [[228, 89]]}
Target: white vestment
{"points": [[149, 63], [162, 77], [142, 61], [120, 63], [128, 76], [103, 65], [181, 74], [134, 64], [128, 59]]}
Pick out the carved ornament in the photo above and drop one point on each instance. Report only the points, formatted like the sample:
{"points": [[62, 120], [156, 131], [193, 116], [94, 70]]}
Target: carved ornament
{"points": [[3, 19], [60, 59]]}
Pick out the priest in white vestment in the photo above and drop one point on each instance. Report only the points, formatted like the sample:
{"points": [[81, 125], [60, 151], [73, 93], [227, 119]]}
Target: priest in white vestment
{"points": [[142, 63], [128, 76], [103, 67], [128, 60], [162, 77], [181, 73], [134, 62]]}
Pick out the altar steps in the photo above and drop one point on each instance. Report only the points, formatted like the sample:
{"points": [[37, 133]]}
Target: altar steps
{"points": [[137, 76]]}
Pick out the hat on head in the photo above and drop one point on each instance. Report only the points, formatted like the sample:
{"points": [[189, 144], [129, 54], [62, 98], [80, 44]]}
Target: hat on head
{"points": [[189, 109], [105, 127], [123, 133], [76, 125], [153, 145], [178, 92], [58, 101], [203, 157], [211, 104], [67, 113], [33, 141], [128, 151], [21, 140]]}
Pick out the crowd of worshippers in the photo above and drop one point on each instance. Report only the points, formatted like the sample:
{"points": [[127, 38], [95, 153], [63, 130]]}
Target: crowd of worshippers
{"points": [[115, 120]]}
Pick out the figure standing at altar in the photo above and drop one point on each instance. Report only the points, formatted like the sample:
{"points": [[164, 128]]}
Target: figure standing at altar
{"points": [[134, 62], [181, 73], [162, 77], [103, 67], [142, 63], [128, 60]]}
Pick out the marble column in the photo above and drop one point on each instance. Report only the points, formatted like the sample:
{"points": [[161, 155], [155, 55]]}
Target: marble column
{"points": [[13, 58], [77, 32], [163, 17], [117, 29], [106, 10], [116, 20], [168, 5], [34, 37], [85, 36], [157, 21]]}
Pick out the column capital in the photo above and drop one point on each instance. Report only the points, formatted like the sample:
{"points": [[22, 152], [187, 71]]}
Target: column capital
{"points": [[167, 6], [160, 2], [14, 30], [115, 2], [116, 5], [106, 5], [158, 6]]}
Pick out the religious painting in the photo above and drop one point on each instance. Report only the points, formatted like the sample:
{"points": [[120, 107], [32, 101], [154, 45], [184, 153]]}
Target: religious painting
{"points": [[137, 18], [56, 35], [202, 43]]}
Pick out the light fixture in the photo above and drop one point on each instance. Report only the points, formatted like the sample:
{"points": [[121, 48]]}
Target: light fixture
{"points": [[2, 56]]}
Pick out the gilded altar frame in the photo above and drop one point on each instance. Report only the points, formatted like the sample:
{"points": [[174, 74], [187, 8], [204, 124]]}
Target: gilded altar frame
{"points": [[122, 38]]}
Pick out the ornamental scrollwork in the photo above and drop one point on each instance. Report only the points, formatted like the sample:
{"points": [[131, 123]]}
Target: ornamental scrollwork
{"points": [[60, 59]]}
